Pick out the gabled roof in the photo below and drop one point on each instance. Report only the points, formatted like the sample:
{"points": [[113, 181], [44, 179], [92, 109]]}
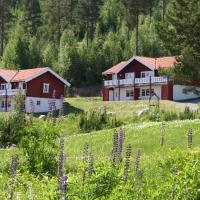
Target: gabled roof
{"points": [[151, 63], [27, 74]]}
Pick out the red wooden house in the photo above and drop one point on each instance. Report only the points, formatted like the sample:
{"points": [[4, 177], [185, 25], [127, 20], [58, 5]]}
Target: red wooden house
{"points": [[138, 78], [42, 87]]}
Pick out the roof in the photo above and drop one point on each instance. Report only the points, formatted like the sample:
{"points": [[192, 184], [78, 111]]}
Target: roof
{"points": [[151, 63], [27, 74]]}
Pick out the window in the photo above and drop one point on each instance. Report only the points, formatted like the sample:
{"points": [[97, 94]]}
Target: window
{"points": [[146, 92], [9, 103], [147, 74], [38, 103], [130, 75], [143, 92], [114, 77], [3, 104], [45, 88], [3, 86], [129, 93]]}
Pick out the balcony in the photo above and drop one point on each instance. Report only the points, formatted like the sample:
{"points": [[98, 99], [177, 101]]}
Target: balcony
{"points": [[136, 81], [11, 92]]}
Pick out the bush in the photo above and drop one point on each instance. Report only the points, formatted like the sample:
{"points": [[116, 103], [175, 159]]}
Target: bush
{"points": [[10, 127], [97, 120], [187, 114], [40, 145]]}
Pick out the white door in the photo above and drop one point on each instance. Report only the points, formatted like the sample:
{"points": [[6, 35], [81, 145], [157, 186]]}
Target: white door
{"points": [[111, 95]]}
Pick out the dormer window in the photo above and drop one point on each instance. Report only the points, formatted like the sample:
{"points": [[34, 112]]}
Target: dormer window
{"points": [[45, 87]]}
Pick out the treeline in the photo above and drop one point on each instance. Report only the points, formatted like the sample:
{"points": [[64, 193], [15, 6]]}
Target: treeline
{"points": [[81, 38]]}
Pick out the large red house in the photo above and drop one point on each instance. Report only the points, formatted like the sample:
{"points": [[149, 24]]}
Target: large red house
{"points": [[138, 78], [42, 87]]}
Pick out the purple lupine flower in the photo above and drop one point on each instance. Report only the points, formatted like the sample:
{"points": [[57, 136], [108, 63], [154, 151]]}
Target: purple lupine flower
{"points": [[190, 138], [120, 144], [127, 162], [114, 152], [90, 165], [137, 159], [139, 174], [61, 158], [63, 187]]}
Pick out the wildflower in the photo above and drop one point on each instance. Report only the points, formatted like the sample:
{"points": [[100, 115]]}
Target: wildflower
{"points": [[127, 162], [85, 161], [114, 148], [61, 158], [137, 160], [190, 138], [63, 187], [90, 165], [120, 144]]}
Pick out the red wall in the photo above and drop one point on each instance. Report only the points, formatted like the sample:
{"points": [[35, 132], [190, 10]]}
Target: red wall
{"points": [[134, 66], [35, 86], [167, 91], [136, 93], [105, 94]]}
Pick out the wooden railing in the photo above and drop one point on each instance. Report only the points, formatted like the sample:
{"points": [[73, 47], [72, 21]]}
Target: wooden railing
{"points": [[10, 92], [136, 81]]}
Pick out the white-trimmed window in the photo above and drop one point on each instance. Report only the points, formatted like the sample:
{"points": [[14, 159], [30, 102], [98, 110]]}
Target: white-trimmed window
{"points": [[3, 104], [45, 87], [129, 93], [114, 76], [130, 75], [146, 92], [147, 74], [3, 86]]}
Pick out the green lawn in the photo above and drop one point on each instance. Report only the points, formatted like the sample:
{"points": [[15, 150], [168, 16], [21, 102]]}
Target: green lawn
{"points": [[124, 110], [145, 136]]}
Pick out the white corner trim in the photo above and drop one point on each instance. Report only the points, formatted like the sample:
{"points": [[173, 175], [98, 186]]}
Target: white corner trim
{"points": [[52, 72]]}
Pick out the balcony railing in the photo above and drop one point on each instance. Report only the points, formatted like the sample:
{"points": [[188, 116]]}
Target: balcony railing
{"points": [[136, 81], [11, 92]]}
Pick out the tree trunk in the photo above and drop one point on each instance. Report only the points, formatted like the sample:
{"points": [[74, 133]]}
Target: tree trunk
{"points": [[137, 35], [164, 9]]}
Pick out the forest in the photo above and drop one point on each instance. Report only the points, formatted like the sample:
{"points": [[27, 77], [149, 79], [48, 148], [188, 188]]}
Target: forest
{"points": [[81, 38]]}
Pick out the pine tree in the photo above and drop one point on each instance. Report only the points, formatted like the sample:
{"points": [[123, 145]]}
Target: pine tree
{"points": [[180, 35], [5, 17]]}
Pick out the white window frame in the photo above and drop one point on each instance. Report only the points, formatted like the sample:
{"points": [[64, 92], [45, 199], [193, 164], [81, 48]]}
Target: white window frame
{"points": [[38, 101], [3, 86], [114, 76], [146, 92], [46, 88], [146, 74], [129, 93], [130, 75]]}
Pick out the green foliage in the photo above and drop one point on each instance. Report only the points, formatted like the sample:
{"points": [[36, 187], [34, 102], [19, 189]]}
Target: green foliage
{"points": [[40, 145], [10, 127], [97, 120]]}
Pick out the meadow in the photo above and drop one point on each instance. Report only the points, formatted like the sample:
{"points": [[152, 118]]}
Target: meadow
{"points": [[138, 160]]}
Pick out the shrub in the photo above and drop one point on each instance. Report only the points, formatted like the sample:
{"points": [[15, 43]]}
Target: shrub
{"points": [[40, 145], [10, 127], [97, 120], [187, 114]]}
